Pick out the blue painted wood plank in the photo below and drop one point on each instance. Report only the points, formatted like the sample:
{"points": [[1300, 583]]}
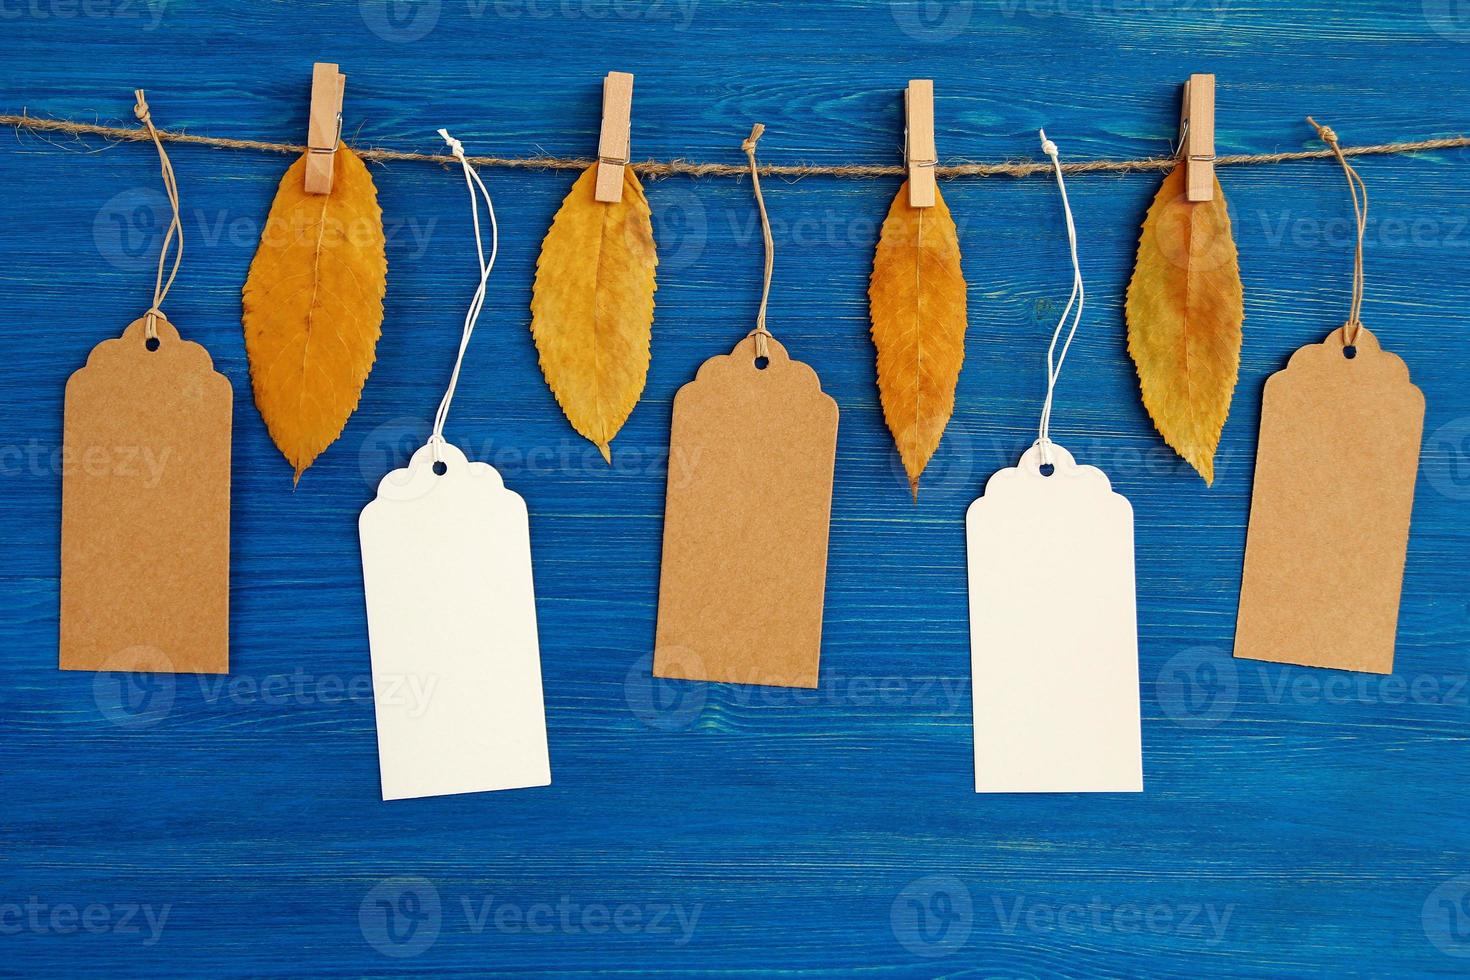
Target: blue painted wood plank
{"points": [[1295, 822]]}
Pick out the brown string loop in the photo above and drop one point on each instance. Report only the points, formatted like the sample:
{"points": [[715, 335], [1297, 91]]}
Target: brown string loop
{"points": [[761, 334], [174, 237], [1360, 211]]}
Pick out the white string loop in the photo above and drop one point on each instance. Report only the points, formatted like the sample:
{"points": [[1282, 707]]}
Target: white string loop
{"points": [[472, 182], [1073, 308]]}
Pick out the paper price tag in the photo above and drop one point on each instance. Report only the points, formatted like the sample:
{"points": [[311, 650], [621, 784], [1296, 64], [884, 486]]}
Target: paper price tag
{"points": [[1329, 525], [1053, 631], [145, 508], [451, 610], [745, 527]]}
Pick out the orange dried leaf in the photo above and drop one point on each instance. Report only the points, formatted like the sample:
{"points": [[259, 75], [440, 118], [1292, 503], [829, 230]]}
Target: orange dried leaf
{"points": [[1185, 309], [916, 301], [313, 307], [592, 306]]}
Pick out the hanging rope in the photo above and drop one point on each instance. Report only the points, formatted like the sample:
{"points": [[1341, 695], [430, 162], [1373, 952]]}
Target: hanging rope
{"points": [[667, 168], [473, 183], [762, 335], [174, 236], [1074, 308], [1360, 210]]}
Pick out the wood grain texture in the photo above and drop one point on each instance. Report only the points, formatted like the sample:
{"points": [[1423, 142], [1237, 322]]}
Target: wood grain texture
{"points": [[801, 826]]}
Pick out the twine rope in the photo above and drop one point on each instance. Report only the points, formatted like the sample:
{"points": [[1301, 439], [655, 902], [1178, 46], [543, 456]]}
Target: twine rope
{"points": [[761, 334], [1360, 211], [174, 237], [668, 168], [472, 183], [1074, 308]]}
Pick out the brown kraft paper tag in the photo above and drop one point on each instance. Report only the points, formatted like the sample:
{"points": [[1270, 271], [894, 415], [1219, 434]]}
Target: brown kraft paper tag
{"points": [[1329, 522], [145, 508], [745, 526]]}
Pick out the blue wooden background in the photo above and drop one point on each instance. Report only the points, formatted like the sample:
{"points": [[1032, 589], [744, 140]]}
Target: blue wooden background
{"points": [[1294, 821]]}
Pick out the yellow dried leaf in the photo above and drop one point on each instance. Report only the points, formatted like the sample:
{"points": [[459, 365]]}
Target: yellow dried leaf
{"points": [[916, 300], [1185, 309], [592, 306], [314, 307]]}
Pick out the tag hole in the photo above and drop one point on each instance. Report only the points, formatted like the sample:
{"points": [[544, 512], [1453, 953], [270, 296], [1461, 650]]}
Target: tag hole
{"points": [[1047, 469], [440, 468], [761, 363], [151, 343], [1350, 351]]}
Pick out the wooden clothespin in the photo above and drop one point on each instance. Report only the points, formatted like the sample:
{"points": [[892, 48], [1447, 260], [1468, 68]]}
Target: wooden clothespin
{"points": [[324, 126], [614, 146], [1197, 133], [919, 154]]}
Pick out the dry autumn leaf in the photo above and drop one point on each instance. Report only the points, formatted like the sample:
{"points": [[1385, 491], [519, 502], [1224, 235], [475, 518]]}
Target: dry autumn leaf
{"points": [[1185, 309], [917, 304], [592, 306], [314, 307]]}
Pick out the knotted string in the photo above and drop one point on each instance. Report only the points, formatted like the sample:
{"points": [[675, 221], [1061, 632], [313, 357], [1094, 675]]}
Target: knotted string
{"points": [[175, 234], [1078, 297], [1360, 210], [472, 183], [761, 334]]}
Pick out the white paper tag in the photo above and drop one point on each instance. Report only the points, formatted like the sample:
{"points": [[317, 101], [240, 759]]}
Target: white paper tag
{"points": [[1053, 632], [451, 609]]}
